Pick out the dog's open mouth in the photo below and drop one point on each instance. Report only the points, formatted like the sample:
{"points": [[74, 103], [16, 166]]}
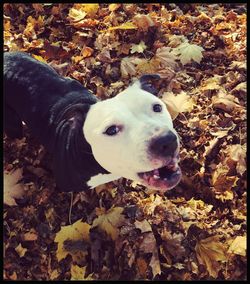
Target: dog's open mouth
{"points": [[163, 178]]}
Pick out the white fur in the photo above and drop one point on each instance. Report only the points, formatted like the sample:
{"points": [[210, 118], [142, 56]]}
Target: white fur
{"points": [[101, 179], [125, 154]]}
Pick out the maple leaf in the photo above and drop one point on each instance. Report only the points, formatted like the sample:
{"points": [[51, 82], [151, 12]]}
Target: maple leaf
{"points": [[188, 52], [78, 273], [209, 252], [12, 189], [138, 47], [77, 232], [127, 67], [166, 57], [238, 246], [177, 103], [109, 221]]}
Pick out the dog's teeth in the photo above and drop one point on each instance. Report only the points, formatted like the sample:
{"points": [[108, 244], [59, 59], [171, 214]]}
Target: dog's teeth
{"points": [[156, 177]]}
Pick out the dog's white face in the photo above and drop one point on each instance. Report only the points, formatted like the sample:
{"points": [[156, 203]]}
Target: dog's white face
{"points": [[132, 136]]}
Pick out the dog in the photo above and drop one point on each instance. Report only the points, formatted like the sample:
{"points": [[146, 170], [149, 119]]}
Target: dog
{"points": [[92, 142]]}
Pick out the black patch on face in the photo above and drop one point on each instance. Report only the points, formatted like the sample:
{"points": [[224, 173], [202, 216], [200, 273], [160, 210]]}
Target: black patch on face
{"points": [[147, 83]]}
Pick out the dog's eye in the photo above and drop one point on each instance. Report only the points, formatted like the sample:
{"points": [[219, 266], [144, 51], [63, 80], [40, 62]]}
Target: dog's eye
{"points": [[112, 130], [157, 108]]}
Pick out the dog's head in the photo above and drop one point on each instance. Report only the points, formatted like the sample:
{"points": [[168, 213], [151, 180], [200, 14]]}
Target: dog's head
{"points": [[132, 136]]}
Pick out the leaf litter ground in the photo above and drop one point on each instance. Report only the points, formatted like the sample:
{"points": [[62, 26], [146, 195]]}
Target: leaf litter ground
{"points": [[122, 230]]}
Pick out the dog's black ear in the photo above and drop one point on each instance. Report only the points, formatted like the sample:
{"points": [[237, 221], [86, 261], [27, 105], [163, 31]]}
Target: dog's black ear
{"points": [[70, 147], [146, 82]]}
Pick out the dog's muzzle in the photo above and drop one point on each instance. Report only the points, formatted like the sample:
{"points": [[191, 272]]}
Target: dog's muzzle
{"points": [[164, 148]]}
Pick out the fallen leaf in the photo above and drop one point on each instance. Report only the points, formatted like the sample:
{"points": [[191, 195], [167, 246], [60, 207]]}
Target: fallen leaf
{"points": [[90, 9], [78, 273], [209, 252], [127, 67], [12, 189], [166, 57], [177, 103], [225, 102], [187, 52], [143, 22], [144, 226], [124, 26], [140, 47], [142, 267], [77, 232], [20, 250], [109, 221], [155, 263], [30, 236], [238, 246], [237, 153]]}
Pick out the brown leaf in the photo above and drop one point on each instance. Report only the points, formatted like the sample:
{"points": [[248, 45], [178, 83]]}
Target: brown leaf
{"points": [[209, 252]]}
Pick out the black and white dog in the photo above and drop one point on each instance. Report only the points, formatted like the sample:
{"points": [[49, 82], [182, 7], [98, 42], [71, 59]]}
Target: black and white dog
{"points": [[92, 142]]}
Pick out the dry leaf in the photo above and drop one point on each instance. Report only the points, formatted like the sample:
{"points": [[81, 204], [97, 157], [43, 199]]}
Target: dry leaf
{"points": [[225, 102], [144, 226], [109, 221], [124, 26], [177, 103], [20, 250], [12, 189], [138, 47], [30, 236], [90, 9], [238, 246], [142, 266], [188, 52], [77, 232], [127, 67], [166, 57], [209, 251], [78, 273], [143, 22]]}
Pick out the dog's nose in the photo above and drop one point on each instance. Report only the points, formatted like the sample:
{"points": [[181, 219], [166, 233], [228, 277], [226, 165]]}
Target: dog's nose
{"points": [[164, 146]]}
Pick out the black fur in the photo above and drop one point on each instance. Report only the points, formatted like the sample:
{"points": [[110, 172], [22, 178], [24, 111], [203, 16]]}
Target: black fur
{"points": [[54, 108]]}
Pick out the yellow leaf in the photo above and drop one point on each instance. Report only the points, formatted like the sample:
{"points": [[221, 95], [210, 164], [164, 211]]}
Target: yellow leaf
{"points": [[77, 232], [90, 9], [114, 7], [20, 250], [188, 52], [76, 15], [209, 252], [238, 246], [39, 58], [124, 26], [138, 47], [166, 58], [177, 103], [109, 221], [87, 52], [148, 66], [78, 273]]}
